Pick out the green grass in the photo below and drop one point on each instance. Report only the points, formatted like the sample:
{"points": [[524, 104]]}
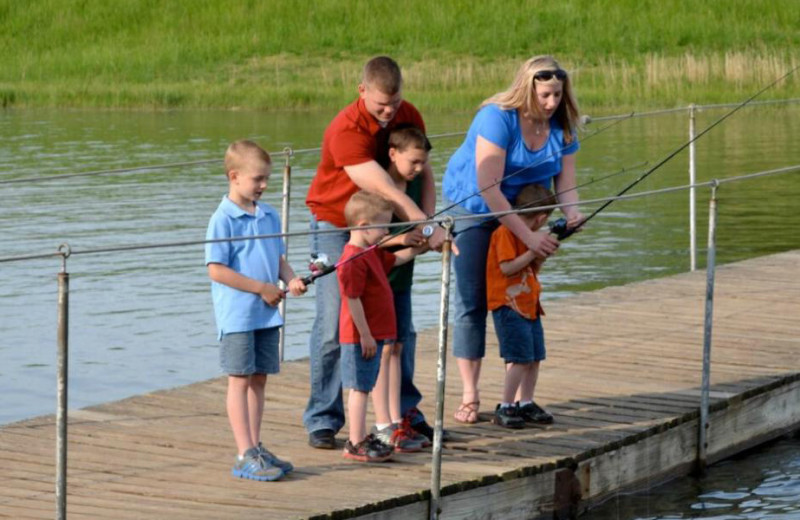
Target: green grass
{"points": [[307, 54]]}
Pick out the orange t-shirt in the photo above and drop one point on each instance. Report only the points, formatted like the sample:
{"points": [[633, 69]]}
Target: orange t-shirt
{"points": [[520, 291], [353, 137]]}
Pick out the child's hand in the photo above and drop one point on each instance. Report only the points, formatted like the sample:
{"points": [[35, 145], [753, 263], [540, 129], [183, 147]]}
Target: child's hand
{"points": [[368, 347], [297, 287], [414, 238], [271, 295]]}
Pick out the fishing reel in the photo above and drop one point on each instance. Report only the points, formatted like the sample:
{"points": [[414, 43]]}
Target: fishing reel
{"points": [[320, 265], [559, 228]]}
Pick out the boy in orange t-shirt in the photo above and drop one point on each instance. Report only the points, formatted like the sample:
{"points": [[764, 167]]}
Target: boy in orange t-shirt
{"points": [[513, 297]]}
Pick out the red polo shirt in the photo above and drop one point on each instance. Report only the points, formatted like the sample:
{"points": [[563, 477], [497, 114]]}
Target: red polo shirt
{"points": [[353, 137]]}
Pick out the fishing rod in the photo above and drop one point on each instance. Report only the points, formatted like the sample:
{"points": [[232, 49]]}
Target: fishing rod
{"points": [[555, 225], [320, 264], [560, 226]]}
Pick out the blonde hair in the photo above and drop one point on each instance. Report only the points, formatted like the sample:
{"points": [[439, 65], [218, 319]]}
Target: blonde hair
{"points": [[240, 153], [365, 206], [535, 196], [522, 94], [383, 73]]}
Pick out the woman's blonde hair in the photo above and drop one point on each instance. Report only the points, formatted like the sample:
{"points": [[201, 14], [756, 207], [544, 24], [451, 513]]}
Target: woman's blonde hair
{"points": [[522, 94]]}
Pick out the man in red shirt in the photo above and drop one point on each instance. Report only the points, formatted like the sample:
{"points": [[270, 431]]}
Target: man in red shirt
{"points": [[354, 157]]}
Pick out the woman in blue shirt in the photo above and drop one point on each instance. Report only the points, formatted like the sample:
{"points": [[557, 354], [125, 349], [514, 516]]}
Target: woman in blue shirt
{"points": [[526, 134]]}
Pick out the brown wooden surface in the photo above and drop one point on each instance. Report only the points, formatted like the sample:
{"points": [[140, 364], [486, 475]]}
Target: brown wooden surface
{"points": [[621, 360]]}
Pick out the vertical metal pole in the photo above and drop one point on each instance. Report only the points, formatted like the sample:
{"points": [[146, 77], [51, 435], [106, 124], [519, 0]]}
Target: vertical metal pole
{"points": [[692, 192], [287, 188], [441, 372], [702, 442], [62, 362]]}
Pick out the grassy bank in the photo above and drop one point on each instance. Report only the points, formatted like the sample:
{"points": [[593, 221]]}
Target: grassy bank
{"points": [[292, 54]]}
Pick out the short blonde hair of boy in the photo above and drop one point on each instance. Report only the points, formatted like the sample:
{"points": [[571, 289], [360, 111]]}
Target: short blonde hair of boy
{"points": [[240, 153], [383, 73], [364, 206], [522, 94], [535, 196]]}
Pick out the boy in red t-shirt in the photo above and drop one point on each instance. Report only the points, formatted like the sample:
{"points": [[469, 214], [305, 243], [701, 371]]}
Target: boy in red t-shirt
{"points": [[367, 316], [513, 297]]}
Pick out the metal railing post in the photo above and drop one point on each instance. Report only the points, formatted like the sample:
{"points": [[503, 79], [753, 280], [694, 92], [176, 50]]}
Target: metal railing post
{"points": [[441, 372], [62, 378], [702, 442], [692, 191], [285, 200]]}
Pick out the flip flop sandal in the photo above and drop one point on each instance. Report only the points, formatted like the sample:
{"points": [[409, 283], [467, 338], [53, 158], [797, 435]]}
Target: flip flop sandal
{"points": [[467, 413]]}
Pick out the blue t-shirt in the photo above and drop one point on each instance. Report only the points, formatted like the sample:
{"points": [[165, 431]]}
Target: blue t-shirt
{"points": [[501, 127], [235, 310]]}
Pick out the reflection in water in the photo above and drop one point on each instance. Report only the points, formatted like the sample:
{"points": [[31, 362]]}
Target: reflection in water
{"points": [[762, 484], [142, 320]]}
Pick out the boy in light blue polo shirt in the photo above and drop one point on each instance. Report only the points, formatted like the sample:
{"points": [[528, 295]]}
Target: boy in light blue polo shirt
{"points": [[244, 275]]}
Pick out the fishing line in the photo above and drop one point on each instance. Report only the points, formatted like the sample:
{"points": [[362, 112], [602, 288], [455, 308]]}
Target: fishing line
{"points": [[568, 232]]}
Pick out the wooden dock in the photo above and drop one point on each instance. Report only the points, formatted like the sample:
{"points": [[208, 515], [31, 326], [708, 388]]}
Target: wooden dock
{"points": [[622, 379]]}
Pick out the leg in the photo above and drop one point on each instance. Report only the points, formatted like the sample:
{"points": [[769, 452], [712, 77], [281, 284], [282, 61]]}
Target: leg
{"points": [[325, 409], [410, 396], [515, 375], [381, 394], [255, 404], [395, 354], [469, 331], [528, 386], [357, 415], [238, 415]]}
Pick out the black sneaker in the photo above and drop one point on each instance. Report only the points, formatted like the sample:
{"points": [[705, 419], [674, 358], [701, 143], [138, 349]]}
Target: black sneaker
{"points": [[324, 439], [508, 417], [533, 413], [423, 427]]}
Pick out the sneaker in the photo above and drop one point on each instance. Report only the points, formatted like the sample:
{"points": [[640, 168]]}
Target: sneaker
{"points": [[413, 434], [270, 458], [369, 450], [423, 427], [253, 467], [395, 435], [508, 417], [533, 413], [324, 439]]}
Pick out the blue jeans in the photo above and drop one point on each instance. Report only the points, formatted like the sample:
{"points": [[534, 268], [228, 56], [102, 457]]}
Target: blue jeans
{"points": [[410, 396], [469, 300], [325, 409]]}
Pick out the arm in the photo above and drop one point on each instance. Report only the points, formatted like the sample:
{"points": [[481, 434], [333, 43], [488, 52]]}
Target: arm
{"points": [[292, 281], [512, 267], [225, 275], [369, 176], [490, 160], [406, 255], [566, 191], [368, 346]]}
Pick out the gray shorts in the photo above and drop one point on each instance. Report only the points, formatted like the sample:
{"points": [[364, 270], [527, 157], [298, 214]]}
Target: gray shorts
{"points": [[251, 352]]}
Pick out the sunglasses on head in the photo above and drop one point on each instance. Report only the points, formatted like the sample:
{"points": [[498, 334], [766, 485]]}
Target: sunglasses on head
{"points": [[547, 75]]}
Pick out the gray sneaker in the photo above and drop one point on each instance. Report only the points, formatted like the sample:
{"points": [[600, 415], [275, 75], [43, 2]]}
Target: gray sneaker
{"points": [[253, 467], [270, 458], [396, 436]]}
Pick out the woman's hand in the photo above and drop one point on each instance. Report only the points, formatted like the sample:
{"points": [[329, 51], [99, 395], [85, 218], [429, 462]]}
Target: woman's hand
{"points": [[542, 244], [574, 217]]}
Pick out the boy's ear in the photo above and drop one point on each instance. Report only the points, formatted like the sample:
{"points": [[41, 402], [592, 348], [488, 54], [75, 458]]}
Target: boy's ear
{"points": [[392, 153], [362, 89], [541, 219], [231, 174]]}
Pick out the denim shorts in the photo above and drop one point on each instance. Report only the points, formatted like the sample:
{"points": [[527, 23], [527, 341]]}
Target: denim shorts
{"points": [[521, 340], [402, 309], [359, 373], [251, 352]]}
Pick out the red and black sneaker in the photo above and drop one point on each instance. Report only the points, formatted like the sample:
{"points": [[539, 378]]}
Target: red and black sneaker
{"points": [[368, 450]]}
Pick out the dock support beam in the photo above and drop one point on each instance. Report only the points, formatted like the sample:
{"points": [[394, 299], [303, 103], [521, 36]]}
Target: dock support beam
{"points": [[692, 192], [711, 259], [285, 200], [62, 378], [441, 372]]}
